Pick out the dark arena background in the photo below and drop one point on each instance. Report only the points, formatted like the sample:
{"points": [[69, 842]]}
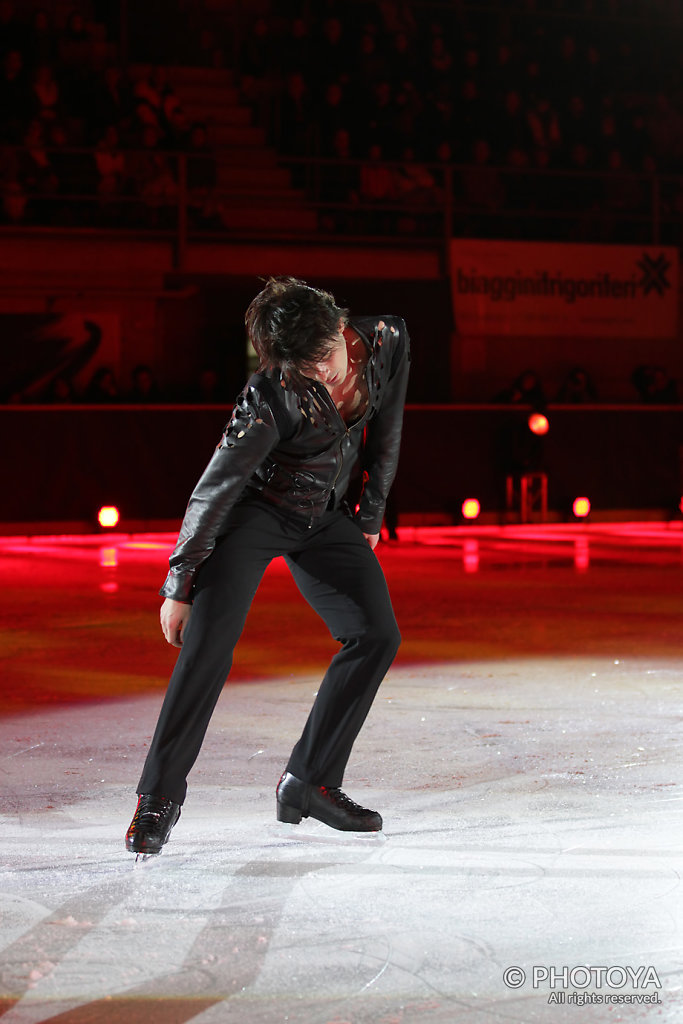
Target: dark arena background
{"points": [[508, 177]]}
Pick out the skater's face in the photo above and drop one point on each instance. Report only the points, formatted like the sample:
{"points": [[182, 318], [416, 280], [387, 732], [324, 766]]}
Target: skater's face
{"points": [[331, 369]]}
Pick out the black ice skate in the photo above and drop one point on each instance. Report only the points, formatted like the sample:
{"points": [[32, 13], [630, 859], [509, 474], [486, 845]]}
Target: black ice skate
{"points": [[152, 822], [297, 800]]}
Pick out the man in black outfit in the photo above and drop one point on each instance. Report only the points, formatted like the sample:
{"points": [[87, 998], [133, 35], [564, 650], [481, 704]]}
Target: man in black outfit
{"points": [[328, 396]]}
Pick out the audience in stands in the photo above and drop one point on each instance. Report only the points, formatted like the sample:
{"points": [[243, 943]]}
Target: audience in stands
{"points": [[399, 98], [563, 93], [88, 131], [503, 93]]}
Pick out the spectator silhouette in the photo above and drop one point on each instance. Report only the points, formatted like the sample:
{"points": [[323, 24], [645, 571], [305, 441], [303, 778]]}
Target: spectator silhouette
{"points": [[201, 164], [575, 124], [145, 389], [296, 115], [483, 188], [526, 389], [102, 389], [510, 126], [470, 115], [544, 124], [381, 114], [60, 391], [110, 164], [76, 29], [377, 187], [36, 172], [331, 51], [13, 35], [74, 173], [152, 176], [577, 388], [208, 389], [520, 187], [439, 64], [14, 201], [654, 385], [297, 52], [402, 59], [15, 98], [41, 42], [110, 103], [408, 108], [339, 184], [45, 94], [334, 114]]}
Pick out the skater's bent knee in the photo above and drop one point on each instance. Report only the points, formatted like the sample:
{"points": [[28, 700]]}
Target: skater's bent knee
{"points": [[375, 636], [386, 636]]}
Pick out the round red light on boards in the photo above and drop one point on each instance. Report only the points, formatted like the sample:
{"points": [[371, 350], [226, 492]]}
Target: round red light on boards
{"points": [[581, 507], [108, 516], [470, 508], [538, 423]]}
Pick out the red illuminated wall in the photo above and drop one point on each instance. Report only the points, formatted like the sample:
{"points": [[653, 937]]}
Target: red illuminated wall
{"points": [[65, 463], [178, 322]]}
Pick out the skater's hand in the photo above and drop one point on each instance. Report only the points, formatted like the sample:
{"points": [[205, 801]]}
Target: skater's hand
{"points": [[174, 616], [372, 539]]}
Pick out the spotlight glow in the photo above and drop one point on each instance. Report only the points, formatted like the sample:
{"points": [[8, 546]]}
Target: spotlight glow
{"points": [[108, 516], [581, 508], [538, 423], [109, 558], [582, 557], [470, 508], [470, 554]]}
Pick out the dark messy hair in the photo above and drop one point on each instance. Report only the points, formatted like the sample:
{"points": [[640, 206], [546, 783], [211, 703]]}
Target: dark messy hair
{"points": [[290, 324]]}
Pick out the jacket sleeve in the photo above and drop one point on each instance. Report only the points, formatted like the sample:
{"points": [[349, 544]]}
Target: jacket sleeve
{"points": [[383, 436], [249, 437]]}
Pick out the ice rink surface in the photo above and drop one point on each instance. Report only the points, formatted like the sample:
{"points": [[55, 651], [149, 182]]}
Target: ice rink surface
{"points": [[524, 751]]}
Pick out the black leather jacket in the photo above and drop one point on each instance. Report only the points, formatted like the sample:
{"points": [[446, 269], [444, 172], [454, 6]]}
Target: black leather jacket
{"points": [[287, 445]]}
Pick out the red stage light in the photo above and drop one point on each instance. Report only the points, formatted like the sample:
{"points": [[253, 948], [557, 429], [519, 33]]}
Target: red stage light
{"points": [[581, 507], [538, 423], [470, 508], [108, 516]]}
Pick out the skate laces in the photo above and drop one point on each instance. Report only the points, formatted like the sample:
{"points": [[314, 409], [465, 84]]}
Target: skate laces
{"points": [[153, 813], [340, 798]]}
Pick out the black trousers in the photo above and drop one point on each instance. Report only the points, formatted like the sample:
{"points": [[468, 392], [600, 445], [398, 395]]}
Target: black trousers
{"points": [[340, 577]]}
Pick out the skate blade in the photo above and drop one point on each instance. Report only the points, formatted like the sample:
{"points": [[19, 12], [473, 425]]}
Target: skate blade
{"points": [[144, 857], [320, 833]]}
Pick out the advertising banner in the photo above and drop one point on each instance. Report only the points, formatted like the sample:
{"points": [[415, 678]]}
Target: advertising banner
{"points": [[562, 289], [41, 350]]}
